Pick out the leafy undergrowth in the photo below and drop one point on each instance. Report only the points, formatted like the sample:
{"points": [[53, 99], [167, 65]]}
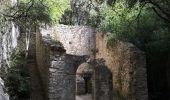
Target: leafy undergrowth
{"points": [[17, 79]]}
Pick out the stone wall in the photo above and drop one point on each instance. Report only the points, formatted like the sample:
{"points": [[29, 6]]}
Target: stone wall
{"points": [[43, 61], [77, 40], [62, 79], [120, 72], [80, 85], [57, 69], [103, 81], [128, 66], [38, 90]]}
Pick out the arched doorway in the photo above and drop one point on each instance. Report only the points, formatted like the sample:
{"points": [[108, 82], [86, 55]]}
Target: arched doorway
{"points": [[84, 82]]}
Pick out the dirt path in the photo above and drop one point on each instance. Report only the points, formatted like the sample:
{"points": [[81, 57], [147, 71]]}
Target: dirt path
{"points": [[84, 97]]}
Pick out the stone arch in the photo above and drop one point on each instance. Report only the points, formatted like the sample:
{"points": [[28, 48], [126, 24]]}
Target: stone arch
{"points": [[64, 60], [84, 79], [63, 76], [101, 77]]}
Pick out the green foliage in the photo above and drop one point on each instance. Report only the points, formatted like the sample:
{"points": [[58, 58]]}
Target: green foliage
{"points": [[57, 8], [33, 13], [83, 12], [143, 28], [146, 30], [17, 78], [54, 8], [4, 23], [118, 18]]}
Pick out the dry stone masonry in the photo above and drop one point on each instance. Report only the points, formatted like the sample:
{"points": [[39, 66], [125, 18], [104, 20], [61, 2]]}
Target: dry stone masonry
{"points": [[103, 81], [62, 80], [62, 70], [128, 66], [77, 40], [119, 73]]}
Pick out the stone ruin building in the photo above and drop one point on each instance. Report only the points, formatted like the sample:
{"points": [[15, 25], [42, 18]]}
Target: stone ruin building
{"points": [[66, 61]]}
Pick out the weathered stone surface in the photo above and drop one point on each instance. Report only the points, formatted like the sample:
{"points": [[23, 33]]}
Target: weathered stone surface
{"points": [[38, 91], [128, 66], [62, 83], [85, 72], [60, 68], [85, 69], [103, 81], [80, 85], [3, 95], [119, 72], [8, 41], [77, 40]]}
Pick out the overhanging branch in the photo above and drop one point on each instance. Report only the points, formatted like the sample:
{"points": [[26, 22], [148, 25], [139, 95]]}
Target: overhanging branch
{"points": [[160, 15]]}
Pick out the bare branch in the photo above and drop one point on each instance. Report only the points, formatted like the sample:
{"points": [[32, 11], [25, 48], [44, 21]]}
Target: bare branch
{"points": [[160, 15], [159, 7]]}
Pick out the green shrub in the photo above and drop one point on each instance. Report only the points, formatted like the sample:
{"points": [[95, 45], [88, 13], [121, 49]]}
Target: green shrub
{"points": [[17, 78]]}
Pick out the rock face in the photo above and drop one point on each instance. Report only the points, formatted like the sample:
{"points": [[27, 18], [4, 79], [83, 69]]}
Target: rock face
{"points": [[8, 41], [3, 96], [119, 73]]}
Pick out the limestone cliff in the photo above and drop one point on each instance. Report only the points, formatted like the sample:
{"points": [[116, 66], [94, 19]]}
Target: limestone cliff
{"points": [[3, 95]]}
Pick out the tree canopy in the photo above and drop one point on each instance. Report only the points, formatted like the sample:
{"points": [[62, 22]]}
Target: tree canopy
{"points": [[36, 11], [160, 7]]}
